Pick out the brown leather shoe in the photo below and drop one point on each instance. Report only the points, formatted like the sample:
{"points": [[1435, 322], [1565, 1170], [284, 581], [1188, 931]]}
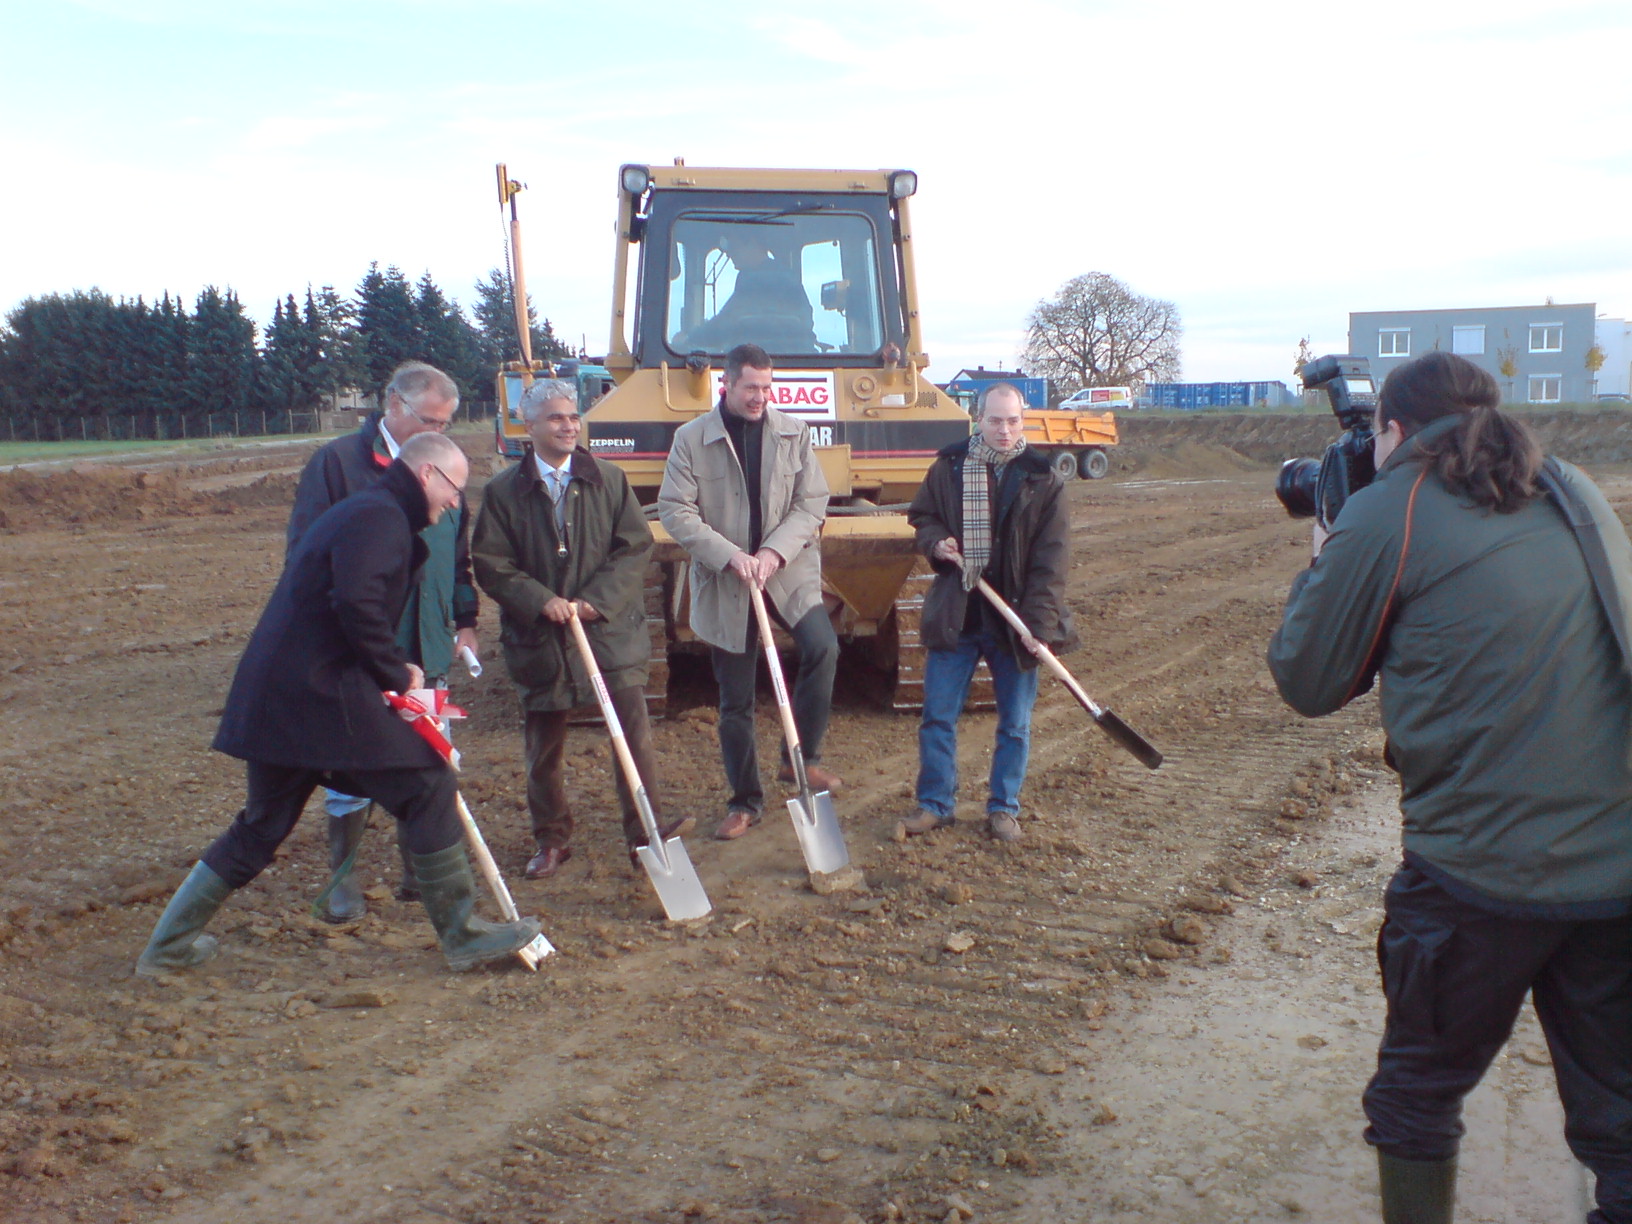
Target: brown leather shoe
{"points": [[924, 822], [1003, 827], [547, 862], [737, 822], [820, 779], [675, 826]]}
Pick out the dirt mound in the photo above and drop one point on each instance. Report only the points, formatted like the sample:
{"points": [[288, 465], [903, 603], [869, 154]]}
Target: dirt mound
{"points": [[96, 494], [1223, 444]]}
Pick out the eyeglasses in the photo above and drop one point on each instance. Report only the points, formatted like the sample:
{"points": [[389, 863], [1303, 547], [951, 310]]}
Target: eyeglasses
{"points": [[428, 422], [457, 488]]}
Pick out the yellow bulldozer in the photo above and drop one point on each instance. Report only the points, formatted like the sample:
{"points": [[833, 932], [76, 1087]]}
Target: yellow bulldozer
{"points": [[816, 267]]}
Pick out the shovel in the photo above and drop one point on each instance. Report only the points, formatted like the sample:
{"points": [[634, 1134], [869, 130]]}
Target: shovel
{"points": [[434, 730], [1126, 736], [667, 864], [539, 948], [814, 820]]}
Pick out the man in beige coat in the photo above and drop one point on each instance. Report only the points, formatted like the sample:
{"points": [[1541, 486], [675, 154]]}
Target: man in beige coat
{"points": [[744, 495]]}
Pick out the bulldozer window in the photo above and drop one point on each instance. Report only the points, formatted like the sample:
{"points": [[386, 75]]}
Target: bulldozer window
{"points": [[761, 280]]}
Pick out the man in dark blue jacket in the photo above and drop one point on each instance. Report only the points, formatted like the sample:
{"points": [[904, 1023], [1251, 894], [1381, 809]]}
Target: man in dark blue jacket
{"points": [[306, 709], [440, 615]]}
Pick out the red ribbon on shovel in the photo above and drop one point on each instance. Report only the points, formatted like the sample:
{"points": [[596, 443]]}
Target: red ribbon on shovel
{"points": [[428, 719]]}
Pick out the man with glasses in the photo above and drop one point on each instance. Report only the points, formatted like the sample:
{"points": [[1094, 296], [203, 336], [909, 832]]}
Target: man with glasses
{"points": [[563, 531], [306, 708], [440, 616]]}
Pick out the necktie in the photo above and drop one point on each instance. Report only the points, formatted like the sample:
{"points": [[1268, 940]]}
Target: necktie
{"points": [[558, 495]]}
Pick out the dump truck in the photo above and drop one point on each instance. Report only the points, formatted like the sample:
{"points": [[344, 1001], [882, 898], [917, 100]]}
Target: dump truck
{"points": [[816, 267], [1074, 440]]}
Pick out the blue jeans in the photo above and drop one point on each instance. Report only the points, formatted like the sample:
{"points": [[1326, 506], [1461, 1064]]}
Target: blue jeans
{"points": [[947, 674]]}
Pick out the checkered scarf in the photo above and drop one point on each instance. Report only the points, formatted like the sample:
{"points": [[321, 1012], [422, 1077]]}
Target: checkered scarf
{"points": [[976, 544]]}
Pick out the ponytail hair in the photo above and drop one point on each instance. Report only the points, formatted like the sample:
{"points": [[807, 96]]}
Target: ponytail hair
{"points": [[1489, 457]]}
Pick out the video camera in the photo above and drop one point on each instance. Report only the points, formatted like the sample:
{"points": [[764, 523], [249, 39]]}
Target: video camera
{"points": [[1318, 488]]}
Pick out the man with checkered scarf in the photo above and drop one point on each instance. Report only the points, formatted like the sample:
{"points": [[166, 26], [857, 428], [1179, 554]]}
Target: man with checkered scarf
{"points": [[989, 508]]}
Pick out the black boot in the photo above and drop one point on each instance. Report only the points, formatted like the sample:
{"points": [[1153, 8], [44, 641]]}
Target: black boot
{"points": [[448, 891], [408, 887], [346, 902], [1417, 1191], [176, 942]]}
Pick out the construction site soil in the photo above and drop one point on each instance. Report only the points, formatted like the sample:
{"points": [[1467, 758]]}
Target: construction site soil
{"points": [[926, 1047]]}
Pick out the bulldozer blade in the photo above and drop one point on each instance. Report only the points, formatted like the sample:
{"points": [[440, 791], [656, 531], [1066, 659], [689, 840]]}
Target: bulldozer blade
{"points": [[675, 879], [1143, 750], [820, 838]]}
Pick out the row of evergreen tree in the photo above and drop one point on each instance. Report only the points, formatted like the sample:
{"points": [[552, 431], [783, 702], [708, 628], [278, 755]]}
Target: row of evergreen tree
{"points": [[68, 357]]}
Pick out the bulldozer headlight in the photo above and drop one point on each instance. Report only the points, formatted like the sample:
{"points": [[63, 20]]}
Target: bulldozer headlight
{"points": [[635, 180], [903, 183]]}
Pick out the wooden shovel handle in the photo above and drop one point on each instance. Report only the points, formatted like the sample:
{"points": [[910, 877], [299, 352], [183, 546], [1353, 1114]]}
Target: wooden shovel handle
{"points": [[1044, 654], [620, 745], [783, 707], [489, 870]]}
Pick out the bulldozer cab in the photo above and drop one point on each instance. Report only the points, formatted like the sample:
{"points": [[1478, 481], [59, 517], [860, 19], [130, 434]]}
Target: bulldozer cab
{"points": [[800, 276]]}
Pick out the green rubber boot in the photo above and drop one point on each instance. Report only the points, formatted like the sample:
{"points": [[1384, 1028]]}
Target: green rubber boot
{"points": [[1417, 1191], [176, 942], [408, 886], [346, 902], [448, 892]]}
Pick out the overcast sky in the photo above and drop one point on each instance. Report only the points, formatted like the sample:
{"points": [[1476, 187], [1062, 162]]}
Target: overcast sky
{"points": [[1266, 166]]}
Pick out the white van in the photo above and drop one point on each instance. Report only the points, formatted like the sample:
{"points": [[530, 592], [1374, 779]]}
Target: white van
{"points": [[1100, 399]]}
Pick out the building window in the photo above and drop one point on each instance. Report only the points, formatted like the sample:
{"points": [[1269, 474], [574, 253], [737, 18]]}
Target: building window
{"points": [[1394, 342], [1546, 388], [1469, 341], [1546, 337]]}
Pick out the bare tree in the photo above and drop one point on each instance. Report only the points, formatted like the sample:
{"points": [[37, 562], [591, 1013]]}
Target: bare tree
{"points": [[1096, 332]]}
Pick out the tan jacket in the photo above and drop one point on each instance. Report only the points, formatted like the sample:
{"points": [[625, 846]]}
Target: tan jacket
{"points": [[704, 505]]}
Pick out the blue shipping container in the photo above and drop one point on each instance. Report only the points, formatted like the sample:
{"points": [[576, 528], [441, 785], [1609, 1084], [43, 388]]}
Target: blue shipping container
{"points": [[1190, 396], [967, 390]]}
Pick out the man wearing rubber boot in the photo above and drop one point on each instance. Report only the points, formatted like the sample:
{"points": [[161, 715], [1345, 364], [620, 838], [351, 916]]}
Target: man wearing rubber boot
{"points": [[744, 495], [988, 508], [440, 616], [1484, 590], [557, 530], [305, 709]]}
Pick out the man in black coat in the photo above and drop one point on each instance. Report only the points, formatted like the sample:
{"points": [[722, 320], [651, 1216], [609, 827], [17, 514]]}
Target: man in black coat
{"points": [[988, 508], [306, 709], [440, 614]]}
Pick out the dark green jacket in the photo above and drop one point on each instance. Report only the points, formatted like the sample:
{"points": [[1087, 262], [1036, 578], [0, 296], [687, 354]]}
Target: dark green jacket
{"points": [[443, 597], [517, 558], [1031, 545], [1506, 701]]}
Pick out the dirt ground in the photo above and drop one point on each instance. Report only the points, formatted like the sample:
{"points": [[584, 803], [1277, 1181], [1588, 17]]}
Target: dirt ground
{"points": [[943, 1044]]}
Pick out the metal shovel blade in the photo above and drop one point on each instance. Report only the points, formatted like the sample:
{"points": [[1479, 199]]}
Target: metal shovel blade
{"points": [[820, 838], [675, 880], [535, 952], [1143, 750]]}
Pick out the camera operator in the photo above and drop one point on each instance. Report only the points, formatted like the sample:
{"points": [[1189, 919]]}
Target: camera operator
{"points": [[1486, 588]]}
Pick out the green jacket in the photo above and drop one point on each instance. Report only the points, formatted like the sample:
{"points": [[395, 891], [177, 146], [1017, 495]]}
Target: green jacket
{"points": [[1506, 701], [516, 555], [443, 598]]}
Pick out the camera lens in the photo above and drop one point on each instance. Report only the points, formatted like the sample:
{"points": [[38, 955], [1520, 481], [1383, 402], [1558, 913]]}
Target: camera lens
{"points": [[1295, 486]]}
